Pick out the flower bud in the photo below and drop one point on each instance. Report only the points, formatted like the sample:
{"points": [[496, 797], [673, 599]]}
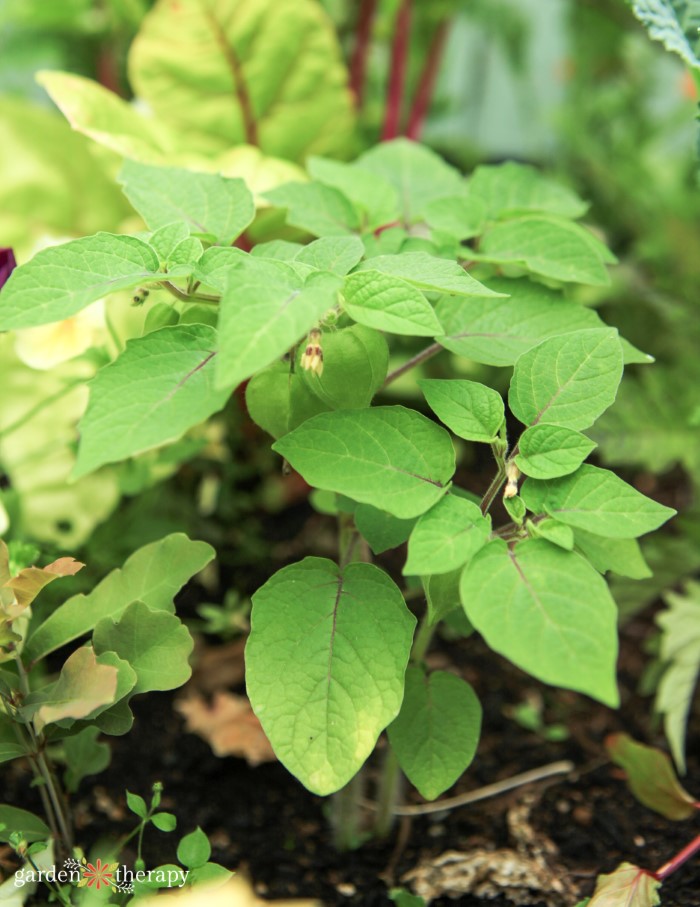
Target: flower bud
{"points": [[312, 357]]}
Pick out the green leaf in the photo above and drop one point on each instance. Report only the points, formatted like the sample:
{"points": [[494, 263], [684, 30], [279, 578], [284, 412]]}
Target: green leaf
{"points": [[516, 509], [265, 310], [14, 820], [215, 268], [627, 886], [278, 400], [651, 778], [153, 575], [498, 331], [338, 254], [418, 174], [105, 117], [442, 594], [680, 654], [260, 72], [460, 217], [469, 409], [675, 23], [374, 196], [598, 501], [10, 747], [553, 531], [510, 188], [621, 556], [547, 611], [61, 280], [316, 208], [136, 804], [436, 733], [155, 643], [84, 684], [429, 273], [568, 380], [355, 364], [549, 246], [158, 388], [387, 456], [194, 849], [212, 206], [446, 537], [167, 238], [325, 665], [85, 756], [549, 451], [389, 304], [164, 821], [381, 530]]}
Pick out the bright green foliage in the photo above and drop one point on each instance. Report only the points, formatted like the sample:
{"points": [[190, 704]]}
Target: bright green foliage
{"points": [[437, 730], [278, 400], [13, 820], [159, 387], [446, 537], [549, 246], [442, 594], [319, 209], [338, 254], [431, 274], [61, 280], [264, 73], [469, 409], [389, 304], [621, 556], [375, 197], [210, 205], [511, 189], [680, 655], [381, 530], [266, 309], [323, 686], [152, 575], [553, 531], [156, 645], [598, 501], [387, 456], [194, 849], [568, 380], [549, 451], [459, 217], [84, 756], [548, 612]]}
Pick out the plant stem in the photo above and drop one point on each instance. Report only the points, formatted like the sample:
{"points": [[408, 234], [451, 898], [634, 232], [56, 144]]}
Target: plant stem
{"points": [[346, 813], [680, 858], [389, 791], [397, 72], [423, 356], [493, 489], [189, 297], [426, 82], [358, 62]]}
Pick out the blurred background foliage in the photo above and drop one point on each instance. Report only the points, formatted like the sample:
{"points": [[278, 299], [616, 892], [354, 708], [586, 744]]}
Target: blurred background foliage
{"points": [[573, 86]]}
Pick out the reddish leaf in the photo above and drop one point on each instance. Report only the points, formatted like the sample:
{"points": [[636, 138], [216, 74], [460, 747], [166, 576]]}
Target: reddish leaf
{"points": [[651, 777], [628, 886], [29, 582]]}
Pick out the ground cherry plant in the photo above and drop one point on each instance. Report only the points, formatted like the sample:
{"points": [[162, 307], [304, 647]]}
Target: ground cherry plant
{"points": [[410, 260]]}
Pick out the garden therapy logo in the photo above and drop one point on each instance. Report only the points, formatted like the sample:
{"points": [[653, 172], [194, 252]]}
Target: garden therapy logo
{"points": [[99, 875]]}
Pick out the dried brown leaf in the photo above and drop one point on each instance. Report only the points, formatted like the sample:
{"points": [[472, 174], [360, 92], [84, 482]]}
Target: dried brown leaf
{"points": [[228, 725]]}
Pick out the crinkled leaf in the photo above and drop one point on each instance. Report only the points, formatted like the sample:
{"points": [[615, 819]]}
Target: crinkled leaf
{"points": [[680, 653], [265, 310], [547, 611], [510, 188], [338, 254], [549, 246], [319, 209], [389, 304], [160, 386], [325, 665], [598, 501], [676, 23], [469, 409], [427, 272], [446, 537], [215, 268], [262, 72], [436, 733], [568, 380], [387, 456], [61, 280], [155, 643], [651, 777], [549, 451], [211, 205], [153, 575], [627, 886]]}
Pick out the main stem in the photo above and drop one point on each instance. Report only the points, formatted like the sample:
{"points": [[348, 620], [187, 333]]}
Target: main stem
{"points": [[397, 72], [358, 62], [426, 82]]}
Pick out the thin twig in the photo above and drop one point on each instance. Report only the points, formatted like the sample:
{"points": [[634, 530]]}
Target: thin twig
{"points": [[563, 767], [189, 297], [426, 82], [425, 354]]}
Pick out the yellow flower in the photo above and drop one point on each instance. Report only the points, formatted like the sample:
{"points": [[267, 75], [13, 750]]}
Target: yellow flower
{"points": [[50, 344]]}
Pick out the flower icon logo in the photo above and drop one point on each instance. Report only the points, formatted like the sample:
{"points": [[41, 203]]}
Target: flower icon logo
{"points": [[98, 874]]}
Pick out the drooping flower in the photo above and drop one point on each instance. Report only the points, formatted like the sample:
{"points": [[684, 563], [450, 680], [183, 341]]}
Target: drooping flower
{"points": [[7, 265]]}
